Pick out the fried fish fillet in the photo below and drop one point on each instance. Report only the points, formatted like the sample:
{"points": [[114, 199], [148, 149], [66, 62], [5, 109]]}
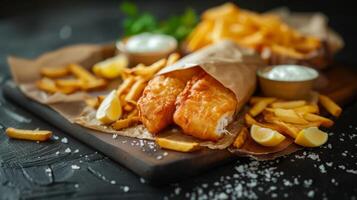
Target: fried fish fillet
{"points": [[204, 108], [157, 104]]}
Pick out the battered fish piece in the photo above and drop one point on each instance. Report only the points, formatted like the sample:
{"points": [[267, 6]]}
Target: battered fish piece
{"points": [[204, 108], [157, 104]]}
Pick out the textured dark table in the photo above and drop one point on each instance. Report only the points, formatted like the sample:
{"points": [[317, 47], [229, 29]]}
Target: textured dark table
{"points": [[60, 169]]}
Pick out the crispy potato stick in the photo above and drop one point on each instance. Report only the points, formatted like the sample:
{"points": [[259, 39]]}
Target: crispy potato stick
{"points": [[125, 85], [330, 106], [288, 129], [259, 107], [175, 145], [288, 104], [239, 141], [54, 72], [75, 83], [310, 124], [133, 113], [307, 109], [35, 135], [92, 102], [255, 100], [172, 58], [250, 121], [47, 85], [290, 116], [136, 90], [125, 123], [316, 118], [149, 71], [96, 84], [128, 107], [81, 73]]}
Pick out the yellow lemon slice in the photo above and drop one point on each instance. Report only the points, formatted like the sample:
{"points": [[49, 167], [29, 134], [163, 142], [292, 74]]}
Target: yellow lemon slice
{"points": [[311, 137], [110, 109], [266, 136], [112, 67]]}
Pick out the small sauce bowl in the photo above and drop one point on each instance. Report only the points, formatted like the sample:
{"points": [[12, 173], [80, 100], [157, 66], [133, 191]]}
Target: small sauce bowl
{"points": [[145, 57], [287, 89]]}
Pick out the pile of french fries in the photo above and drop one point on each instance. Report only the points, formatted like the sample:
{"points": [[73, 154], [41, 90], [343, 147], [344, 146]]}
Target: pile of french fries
{"points": [[129, 91], [261, 32], [69, 79], [287, 117]]}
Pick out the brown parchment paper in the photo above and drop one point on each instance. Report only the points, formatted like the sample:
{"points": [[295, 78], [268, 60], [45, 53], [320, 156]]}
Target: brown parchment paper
{"points": [[233, 66]]}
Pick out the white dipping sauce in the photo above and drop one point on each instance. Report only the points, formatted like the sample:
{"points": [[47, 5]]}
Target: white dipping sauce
{"points": [[290, 73], [150, 42]]}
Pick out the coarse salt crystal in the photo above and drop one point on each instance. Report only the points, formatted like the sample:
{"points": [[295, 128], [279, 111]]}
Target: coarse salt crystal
{"points": [[68, 150], [126, 188], [64, 140]]}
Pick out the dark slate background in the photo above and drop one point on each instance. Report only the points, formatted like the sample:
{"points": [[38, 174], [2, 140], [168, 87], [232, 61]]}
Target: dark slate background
{"points": [[36, 171]]}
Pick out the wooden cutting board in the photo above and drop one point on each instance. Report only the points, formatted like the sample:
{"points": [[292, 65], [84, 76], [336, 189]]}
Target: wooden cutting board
{"points": [[152, 163]]}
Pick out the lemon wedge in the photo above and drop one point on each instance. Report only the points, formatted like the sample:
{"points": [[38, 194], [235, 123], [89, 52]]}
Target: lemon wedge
{"points": [[266, 136], [112, 67], [311, 137], [110, 109]]}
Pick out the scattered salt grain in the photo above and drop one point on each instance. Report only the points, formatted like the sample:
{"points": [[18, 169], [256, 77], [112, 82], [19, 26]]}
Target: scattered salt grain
{"points": [[75, 167], [322, 168], [351, 171], [64, 140], [57, 152], [68, 150], [76, 151], [142, 180], [126, 188], [113, 182], [159, 157], [55, 137], [311, 194], [165, 153], [115, 136], [76, 185], [222, 196], [177, 191]]}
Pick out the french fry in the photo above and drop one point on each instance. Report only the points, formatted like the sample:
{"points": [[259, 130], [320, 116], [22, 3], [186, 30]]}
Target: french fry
{"points": [[316, 118], [125, 123], [290, 116], [250, 121], [134, 113], [259, 107], [255, 100], [288, 104], [81, 73], [175, 145], [47, 85], [96, 84], [75, 83], [127, 83], [242, 136], [136, 90], [330, 106], [307, 109], [286, 128], [128, 107], [36, 135], [92, 102], [54, 72], [172, 59], [149, 71]]}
